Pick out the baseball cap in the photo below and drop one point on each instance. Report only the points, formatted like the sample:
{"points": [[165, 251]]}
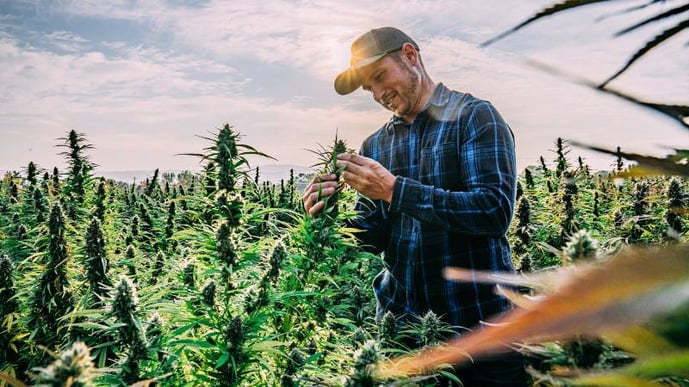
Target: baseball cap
{"points": [[366, 49]]}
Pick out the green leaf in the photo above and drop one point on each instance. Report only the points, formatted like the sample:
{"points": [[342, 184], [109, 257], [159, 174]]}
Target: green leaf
{"points": [[222, 360], [192, 343]]}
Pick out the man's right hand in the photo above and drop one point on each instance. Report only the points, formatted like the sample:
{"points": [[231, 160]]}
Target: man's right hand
{"points": [[318, 191]]}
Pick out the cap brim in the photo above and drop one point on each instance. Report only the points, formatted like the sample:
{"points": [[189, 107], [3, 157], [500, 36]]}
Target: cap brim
{"points": [[347, 82]]}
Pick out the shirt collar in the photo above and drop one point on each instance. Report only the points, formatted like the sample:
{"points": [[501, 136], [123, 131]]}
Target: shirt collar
{"points": [[440, 97]]}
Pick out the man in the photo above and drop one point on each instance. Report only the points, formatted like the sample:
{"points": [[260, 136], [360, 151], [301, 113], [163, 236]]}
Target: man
{"points": [[438, 185]]}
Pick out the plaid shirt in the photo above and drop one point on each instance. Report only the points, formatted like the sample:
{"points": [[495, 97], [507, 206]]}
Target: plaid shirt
{"points": [[451, 206]]}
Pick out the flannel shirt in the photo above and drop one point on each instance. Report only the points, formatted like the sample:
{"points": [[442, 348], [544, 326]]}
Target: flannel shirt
{"points": [[451, 206]]}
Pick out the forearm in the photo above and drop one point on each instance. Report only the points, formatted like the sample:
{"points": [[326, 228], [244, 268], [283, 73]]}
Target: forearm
{"points": [[474, 195], [485, 211]]}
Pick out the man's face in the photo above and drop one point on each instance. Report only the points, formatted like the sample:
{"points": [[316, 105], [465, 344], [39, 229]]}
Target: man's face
{"points": [[394, 83]]}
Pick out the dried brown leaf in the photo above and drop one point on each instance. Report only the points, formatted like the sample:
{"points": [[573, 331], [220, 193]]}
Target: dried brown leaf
{"points": [[595, 299]]}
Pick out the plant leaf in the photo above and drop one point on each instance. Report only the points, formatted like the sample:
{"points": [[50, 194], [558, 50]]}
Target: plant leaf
{"points": [[672, 165], [651, 44], [548, 11], [11, 381], [600, 297]]}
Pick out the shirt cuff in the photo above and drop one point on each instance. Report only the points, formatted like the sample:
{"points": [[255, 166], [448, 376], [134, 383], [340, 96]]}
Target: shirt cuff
{"points": [[408, 195]]}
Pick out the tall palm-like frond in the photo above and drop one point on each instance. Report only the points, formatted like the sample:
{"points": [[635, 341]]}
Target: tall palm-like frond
{"points": [[545, 12], [680, 113], [676, 112], [681, 11]]}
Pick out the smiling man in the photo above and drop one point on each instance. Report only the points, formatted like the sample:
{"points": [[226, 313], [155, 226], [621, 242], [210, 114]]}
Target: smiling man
{"points": [[438, 188]]}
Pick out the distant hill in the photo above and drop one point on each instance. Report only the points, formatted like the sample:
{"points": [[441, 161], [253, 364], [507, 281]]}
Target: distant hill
{"points": [[275, 172], [272, 173]]}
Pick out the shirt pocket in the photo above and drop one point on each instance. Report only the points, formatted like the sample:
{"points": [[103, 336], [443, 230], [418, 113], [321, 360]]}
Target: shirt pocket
{"points": [[439, 166]]}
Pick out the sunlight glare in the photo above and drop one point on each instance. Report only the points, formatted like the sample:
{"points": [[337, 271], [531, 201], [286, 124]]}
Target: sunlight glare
{"points": [[337, 42]]}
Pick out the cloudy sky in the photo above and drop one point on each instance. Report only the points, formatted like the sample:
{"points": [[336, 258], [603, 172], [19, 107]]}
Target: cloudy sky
{"points": [[144, 79]]}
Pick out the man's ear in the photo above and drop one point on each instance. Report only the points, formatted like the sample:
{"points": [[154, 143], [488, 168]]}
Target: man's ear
{"points": [[410, 53]]}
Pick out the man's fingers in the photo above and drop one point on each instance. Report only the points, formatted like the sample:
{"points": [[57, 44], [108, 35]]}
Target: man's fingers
{"points": [[317, 191], [354, 158], [315, 195], [316, 208], [323, 178], [351, 179], [349, 166], [351, 157]]}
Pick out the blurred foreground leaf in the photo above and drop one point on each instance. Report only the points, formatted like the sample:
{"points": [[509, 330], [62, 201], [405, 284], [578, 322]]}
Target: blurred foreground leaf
{"points": [[677, 15], [676, 164], [637, 287]]}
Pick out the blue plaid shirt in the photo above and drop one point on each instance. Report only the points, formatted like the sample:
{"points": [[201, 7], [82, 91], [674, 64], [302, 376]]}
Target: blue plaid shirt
{"points": [[451, 207]]}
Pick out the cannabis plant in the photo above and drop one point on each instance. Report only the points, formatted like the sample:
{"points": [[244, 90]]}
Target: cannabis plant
{"points": [[96, 261], [72, 367], [131, 337], [365, 359], [328, 165], [295, 361], [523, 232], [79, 175], [568, 196], [641, 208], [581, 245], [52, 298], [230, 156], [99, 211], [676, 203], [11, 345]]}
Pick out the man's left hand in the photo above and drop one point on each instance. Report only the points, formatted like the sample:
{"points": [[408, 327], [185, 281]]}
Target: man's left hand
{"points": [[366, 176]]}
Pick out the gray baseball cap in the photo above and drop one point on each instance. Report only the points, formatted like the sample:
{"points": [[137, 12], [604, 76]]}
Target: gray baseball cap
{"points": [[366, 49]]}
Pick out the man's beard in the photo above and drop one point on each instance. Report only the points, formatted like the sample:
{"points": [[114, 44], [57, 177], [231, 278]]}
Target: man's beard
{"points": [[409, 95]]}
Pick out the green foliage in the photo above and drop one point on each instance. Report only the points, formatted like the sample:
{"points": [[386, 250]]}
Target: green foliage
{"points": [[365, 358], [581, 246], [79, 177], [327, 156], [52, 298], [238, 287], [96, 260], [72, 367], [676, 203]]}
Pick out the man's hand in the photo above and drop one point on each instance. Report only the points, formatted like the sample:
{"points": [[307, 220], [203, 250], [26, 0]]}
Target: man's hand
{"points": [[366, 176], [318, 191]]}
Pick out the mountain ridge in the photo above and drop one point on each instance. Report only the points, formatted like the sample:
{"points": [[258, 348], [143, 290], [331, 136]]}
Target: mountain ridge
{"points": [[269, 172]]}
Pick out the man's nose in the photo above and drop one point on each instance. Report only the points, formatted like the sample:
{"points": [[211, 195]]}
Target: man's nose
{"points": [[378, 93]]}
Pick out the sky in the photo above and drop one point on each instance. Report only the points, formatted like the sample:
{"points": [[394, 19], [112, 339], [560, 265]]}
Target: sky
{"points": [[145, 81]]}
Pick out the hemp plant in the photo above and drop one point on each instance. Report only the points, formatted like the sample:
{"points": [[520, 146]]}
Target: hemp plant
{"points": [[328, 165], [79, 175], [52, 298], [129, 328], [640, 205], [676, 203], [11, 345], [72, 367], [581, 245], [226, 163], [523, 232], [99, 211], [365, 359], [568, 196]]}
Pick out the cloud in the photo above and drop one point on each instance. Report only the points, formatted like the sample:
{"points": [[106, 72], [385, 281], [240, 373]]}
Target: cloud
{"points": [[66, 41], [142, 108], [267, 67]]}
